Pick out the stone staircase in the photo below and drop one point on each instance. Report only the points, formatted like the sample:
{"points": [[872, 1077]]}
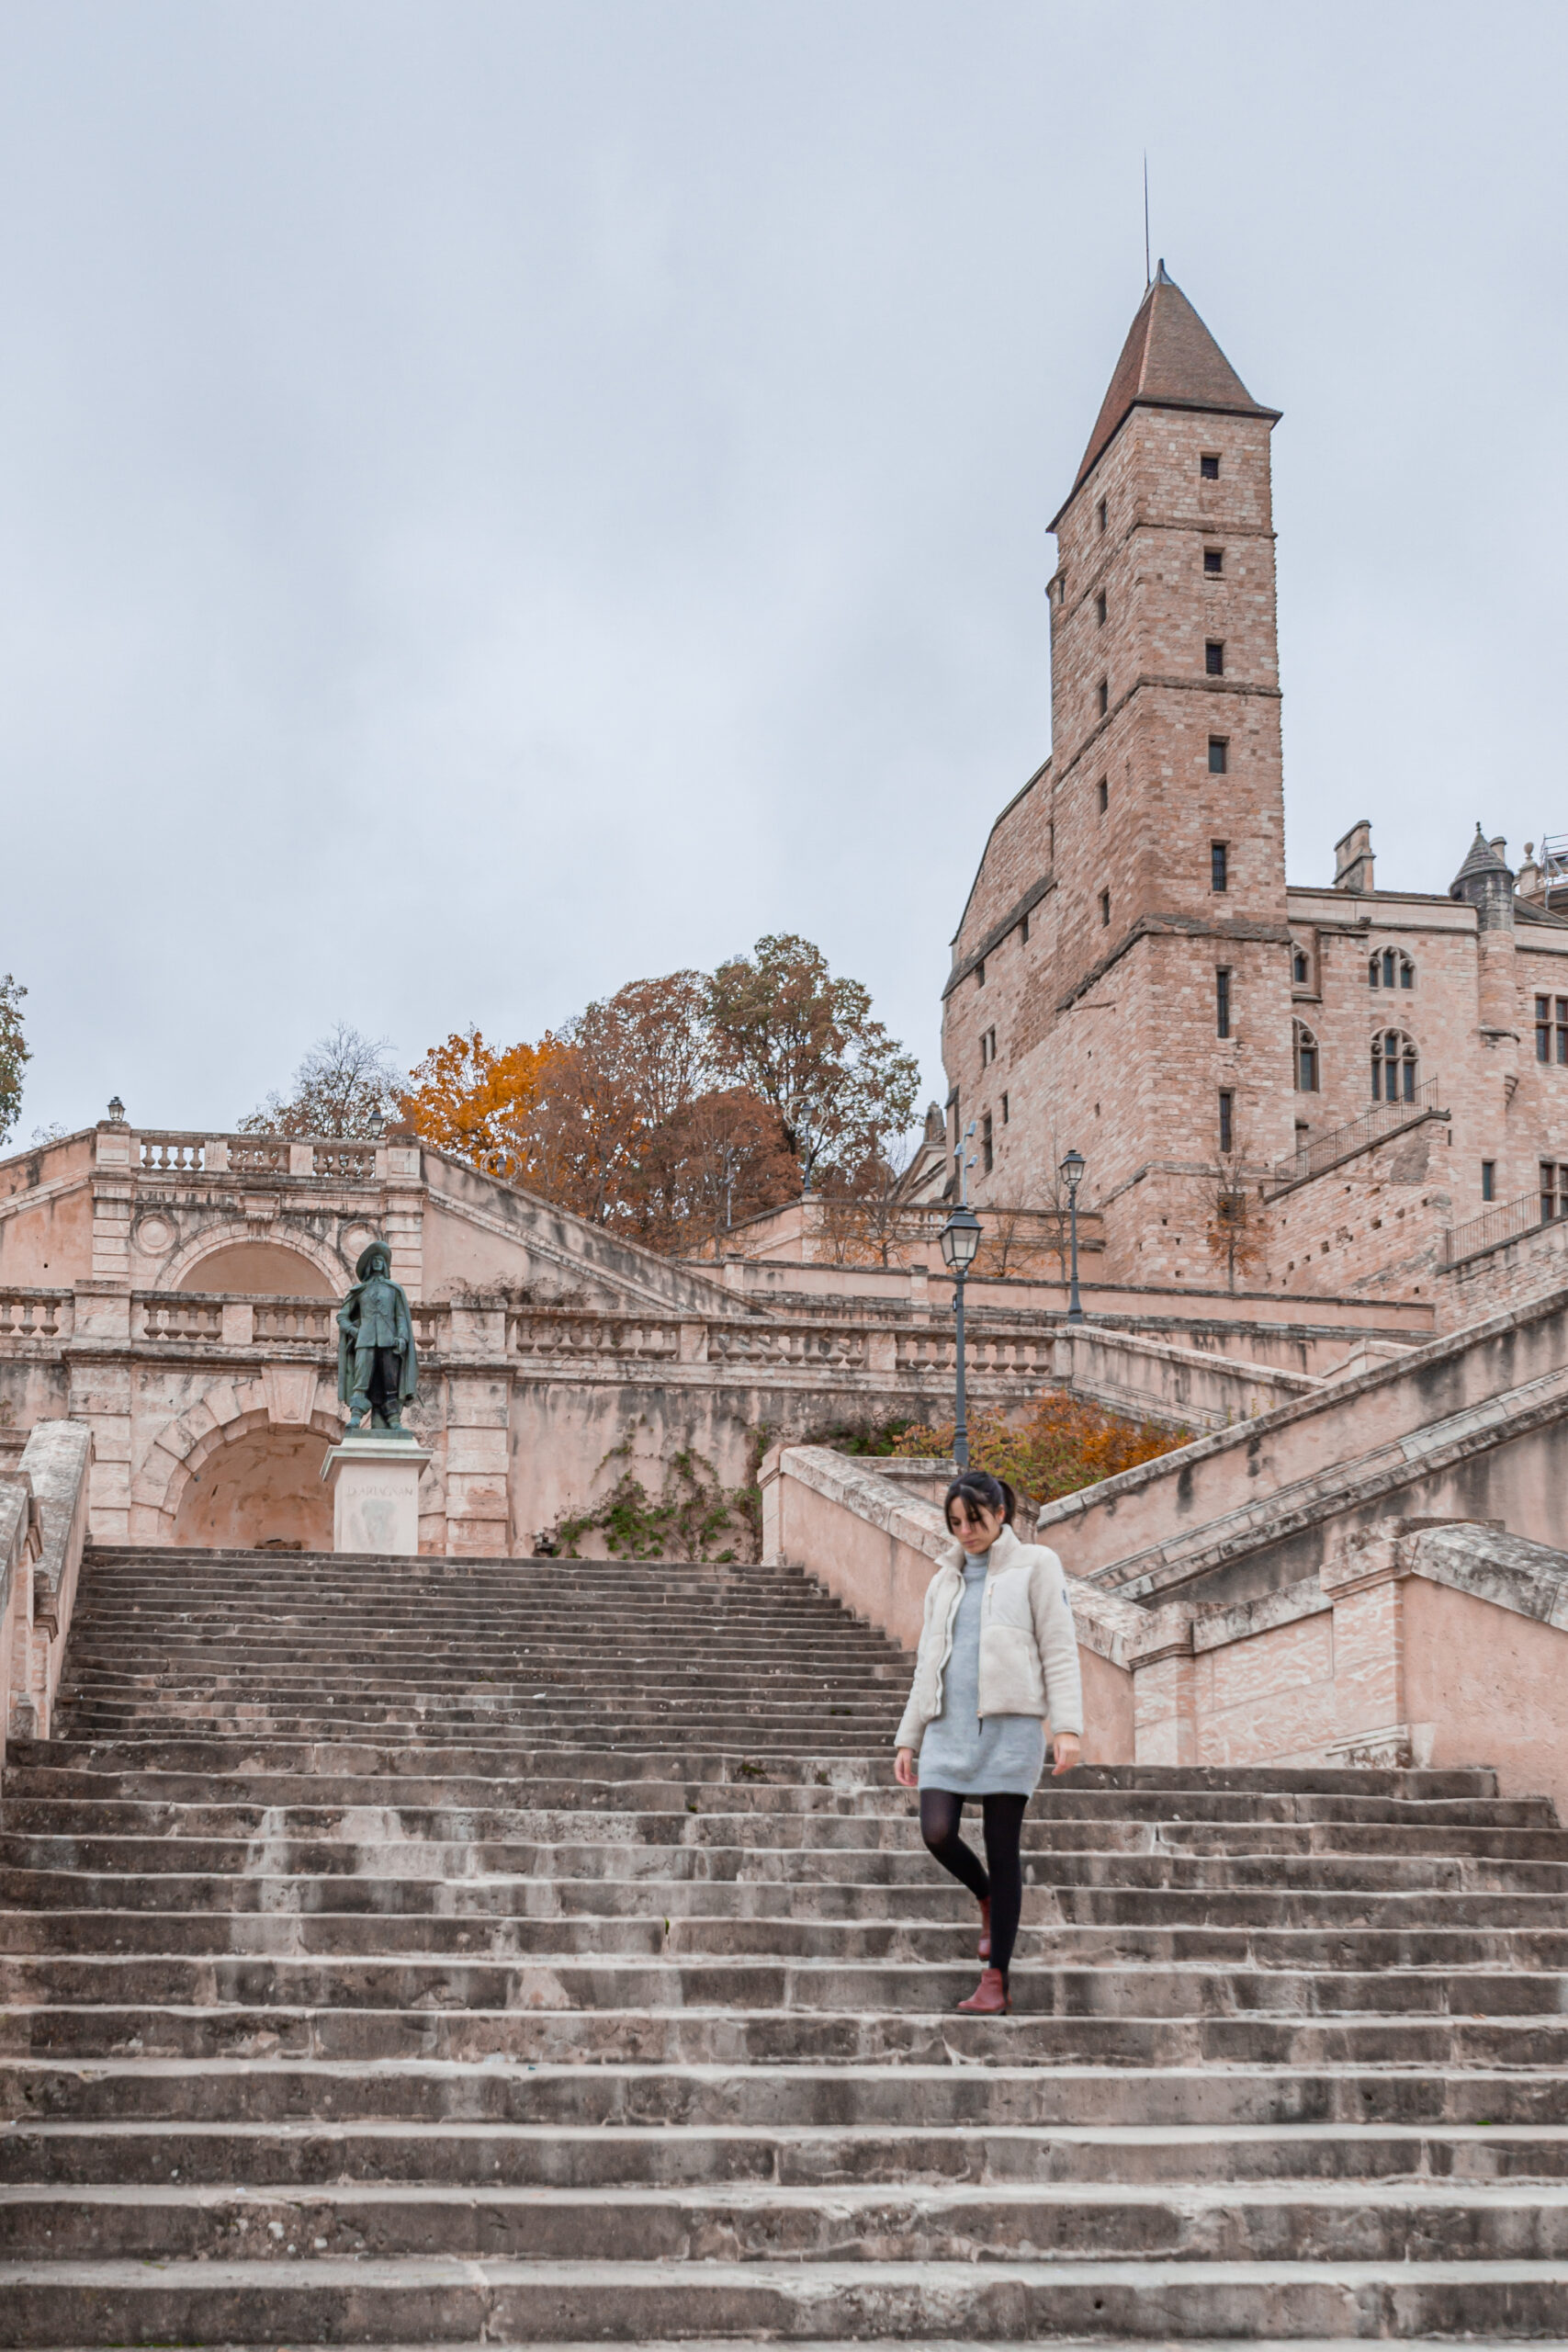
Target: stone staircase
{"points": [[414, 1952]]}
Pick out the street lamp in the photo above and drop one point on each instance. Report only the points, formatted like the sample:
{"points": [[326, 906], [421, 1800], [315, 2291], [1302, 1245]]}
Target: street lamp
{"points": [[1071, 1173], [960, 1239]]}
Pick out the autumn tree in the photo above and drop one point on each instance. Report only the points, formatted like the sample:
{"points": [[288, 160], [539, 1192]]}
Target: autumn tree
{"points": [[808, 1046], [347, 1085], [14, 1054], [660, 1112], [476, 1103], [1061, 1444]]}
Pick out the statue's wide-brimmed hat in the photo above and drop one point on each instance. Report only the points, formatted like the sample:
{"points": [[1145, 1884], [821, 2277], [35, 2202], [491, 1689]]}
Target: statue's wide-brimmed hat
{"points": [[372, 1250]]}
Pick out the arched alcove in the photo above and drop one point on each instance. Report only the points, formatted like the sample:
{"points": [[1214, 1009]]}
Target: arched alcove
{"points": [[262, 1490], [268, 1268]]}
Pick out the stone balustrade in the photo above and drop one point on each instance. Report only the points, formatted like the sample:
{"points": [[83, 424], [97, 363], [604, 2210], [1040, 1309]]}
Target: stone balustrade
{"points": [[194, 1318], [346, 1159], [35, 1314], [43, 1527]]}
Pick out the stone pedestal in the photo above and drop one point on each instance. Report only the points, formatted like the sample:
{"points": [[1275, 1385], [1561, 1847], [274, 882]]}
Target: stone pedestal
{"points": [[375, 1490]]}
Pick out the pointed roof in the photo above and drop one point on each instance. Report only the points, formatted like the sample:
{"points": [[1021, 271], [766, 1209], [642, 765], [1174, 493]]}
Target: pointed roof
{"points": [[1481, 858], [1169, 360]]}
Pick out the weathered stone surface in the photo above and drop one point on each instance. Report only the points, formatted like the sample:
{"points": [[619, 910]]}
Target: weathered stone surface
{"points": [[383, 1961]]}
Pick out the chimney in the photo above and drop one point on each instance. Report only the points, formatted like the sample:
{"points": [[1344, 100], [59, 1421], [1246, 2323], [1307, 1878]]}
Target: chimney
{"points": [[1353, 859]]}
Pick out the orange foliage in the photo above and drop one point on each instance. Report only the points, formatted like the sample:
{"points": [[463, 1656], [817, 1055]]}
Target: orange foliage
{"points": [[1067, 1442], [469, 1100]]}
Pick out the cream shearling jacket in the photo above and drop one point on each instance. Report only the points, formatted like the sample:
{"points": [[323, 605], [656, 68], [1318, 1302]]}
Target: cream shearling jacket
{"points": [[1028, 1651]]}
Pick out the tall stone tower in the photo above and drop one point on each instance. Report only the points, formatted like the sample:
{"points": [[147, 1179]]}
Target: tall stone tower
{"points": [[1145, 999]]}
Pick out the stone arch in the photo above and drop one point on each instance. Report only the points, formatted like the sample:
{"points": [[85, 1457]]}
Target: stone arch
{"points": [[293, 1401], [229, 1234]]}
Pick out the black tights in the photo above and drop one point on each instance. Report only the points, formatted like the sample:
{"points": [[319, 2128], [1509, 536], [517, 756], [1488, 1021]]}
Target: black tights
{"points": [[1000, 1877]]}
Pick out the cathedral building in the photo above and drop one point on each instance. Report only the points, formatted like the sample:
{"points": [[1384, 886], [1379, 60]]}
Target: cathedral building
{"points": [[1312, 1088]]}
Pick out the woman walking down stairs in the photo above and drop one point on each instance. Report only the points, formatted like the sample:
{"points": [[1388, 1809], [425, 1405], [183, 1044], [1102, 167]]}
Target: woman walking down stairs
{"points": [[386, 1961]]}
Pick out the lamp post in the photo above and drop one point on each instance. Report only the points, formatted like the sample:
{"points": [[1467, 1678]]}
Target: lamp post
{"points": [[1071, 1173], [960, 1239]]}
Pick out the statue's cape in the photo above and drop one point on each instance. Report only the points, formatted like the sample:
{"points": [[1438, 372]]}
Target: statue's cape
{"points": [[408, 1383]]}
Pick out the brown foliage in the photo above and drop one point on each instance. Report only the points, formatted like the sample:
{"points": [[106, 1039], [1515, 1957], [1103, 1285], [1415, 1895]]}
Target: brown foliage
{"points": [[1067, 1442], [663, 1112]]}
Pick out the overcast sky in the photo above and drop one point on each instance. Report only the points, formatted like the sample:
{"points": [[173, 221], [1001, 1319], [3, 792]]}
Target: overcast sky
{"points": [[497, 501]]}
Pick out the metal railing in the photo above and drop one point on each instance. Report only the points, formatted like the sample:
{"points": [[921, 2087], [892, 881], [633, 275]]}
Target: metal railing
{"points": [[1384, 1119], [1492, 1229]]}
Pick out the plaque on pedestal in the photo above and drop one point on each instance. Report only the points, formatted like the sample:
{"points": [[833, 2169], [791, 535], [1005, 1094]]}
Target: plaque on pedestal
{"points": [[375, 1490]]}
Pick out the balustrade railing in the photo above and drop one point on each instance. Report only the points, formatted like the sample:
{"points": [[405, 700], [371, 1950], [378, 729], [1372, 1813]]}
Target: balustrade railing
{"points": [[560, 1335], [34, 1314], [308, 1320], [787, 1347], [259, 1155], [1492, 1227], [352, 1163], [190, 1319], [172, 1152], [1382, 1120]]}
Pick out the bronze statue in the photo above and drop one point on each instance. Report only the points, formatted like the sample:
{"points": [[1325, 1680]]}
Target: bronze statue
{"points": [[377, 1369]]}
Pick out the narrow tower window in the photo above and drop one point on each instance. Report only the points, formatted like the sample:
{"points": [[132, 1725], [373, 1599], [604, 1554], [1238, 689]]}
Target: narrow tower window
{"points": [[1214, 659], [1099, 608], [1004, 1109], [1301, 970], [1104, 696], [1228, 1121], [1488, 1179], [1102, 508], [1219, 756], [1209, 466], [1219, 863], [1104, 795], [1105, 906], [1214, 563], [986, 1154], [1221, 1002], [1306, 1058]]}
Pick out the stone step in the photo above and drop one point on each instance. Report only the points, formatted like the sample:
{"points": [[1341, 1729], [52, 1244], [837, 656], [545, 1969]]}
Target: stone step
{"points": [[1467, 1954], [738, 2035], [220, 1811], [559, 1981], [664, 1780], [447, 2301], [379, 1965], [1250, 2221], [310, 2094], [1057, 1899], [192, 1752], [682, 1845], [550, 2155]]}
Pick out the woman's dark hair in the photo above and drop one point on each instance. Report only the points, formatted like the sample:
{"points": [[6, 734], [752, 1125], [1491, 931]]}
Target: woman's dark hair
{"points": [[978, 1490]]}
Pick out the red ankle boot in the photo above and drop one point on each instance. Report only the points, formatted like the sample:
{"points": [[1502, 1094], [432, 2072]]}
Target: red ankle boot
{"points": [[990, 1997], [983, 1949]]}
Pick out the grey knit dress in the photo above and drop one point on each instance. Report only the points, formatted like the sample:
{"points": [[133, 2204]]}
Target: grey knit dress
{"points": [[960, 1753]]}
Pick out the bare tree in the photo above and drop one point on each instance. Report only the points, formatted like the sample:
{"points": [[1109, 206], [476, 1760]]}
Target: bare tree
{"points": [[1236, 1231], [347, 1085]]}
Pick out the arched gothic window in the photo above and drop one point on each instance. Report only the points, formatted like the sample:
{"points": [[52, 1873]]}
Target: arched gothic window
{"points": [[1393, 1066], [1390, 969], [1306, 1058]]}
